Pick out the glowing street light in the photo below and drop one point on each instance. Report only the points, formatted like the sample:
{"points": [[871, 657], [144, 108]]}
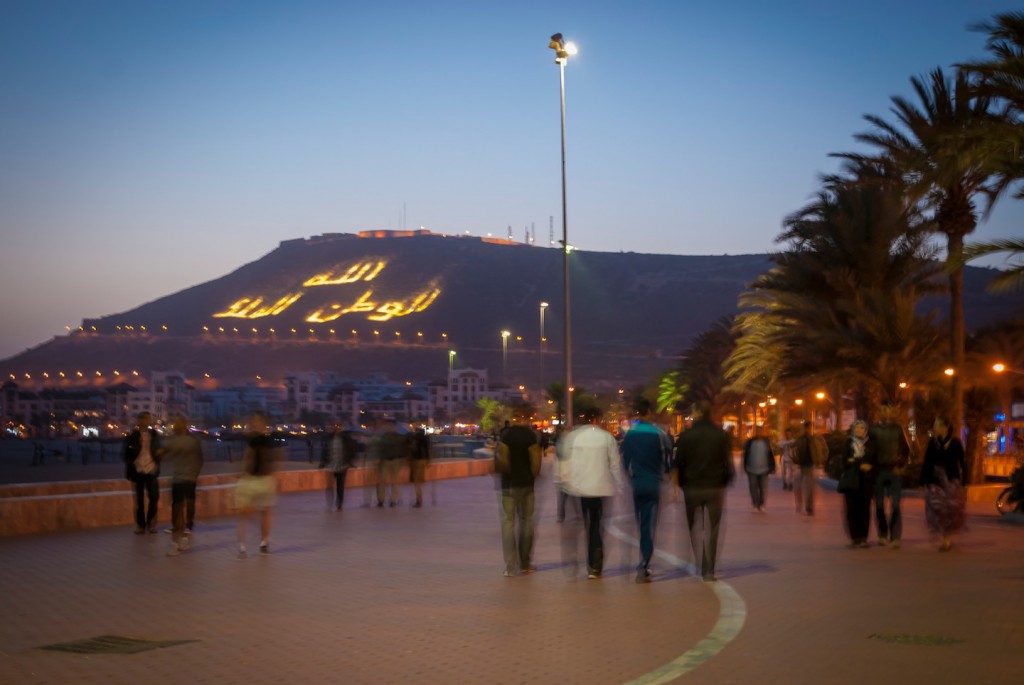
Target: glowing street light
{"points": [[563, 50], [504, 356]]}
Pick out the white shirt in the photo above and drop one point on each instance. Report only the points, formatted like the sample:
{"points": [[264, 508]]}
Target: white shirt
{"points": [[588, 463]]}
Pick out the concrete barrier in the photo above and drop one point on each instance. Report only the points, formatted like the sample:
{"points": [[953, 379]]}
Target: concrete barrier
{"points": [[78, 505]]}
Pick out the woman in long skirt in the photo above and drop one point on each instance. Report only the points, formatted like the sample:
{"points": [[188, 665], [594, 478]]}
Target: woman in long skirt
{"points": [[942, 474]]}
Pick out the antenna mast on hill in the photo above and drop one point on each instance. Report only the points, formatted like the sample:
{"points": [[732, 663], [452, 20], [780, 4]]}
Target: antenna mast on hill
{"points": [[551, 231], [533, 233], [510, 231]]}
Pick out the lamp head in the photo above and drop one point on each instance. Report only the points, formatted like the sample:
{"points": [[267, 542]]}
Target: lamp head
{"points": [[561, 48]]}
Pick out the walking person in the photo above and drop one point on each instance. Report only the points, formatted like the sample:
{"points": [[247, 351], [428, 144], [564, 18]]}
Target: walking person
{"points": [[338, 455], [257, 486], [590, 470], [804, 448], [942, 475], [392, 450], [142, 467], [646, 457], [419, 463], [857, 482], [758, 462], [185, 454], [893, 453], [518, 466], [786, 454], [704, 467]]}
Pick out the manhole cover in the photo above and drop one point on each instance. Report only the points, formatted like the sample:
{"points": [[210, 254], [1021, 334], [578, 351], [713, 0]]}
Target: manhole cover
{"points": [[912, 639], [113, 644]]}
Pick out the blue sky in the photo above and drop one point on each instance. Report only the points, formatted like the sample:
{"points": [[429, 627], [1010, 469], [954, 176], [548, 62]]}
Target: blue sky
{"points": [[147, 146]]}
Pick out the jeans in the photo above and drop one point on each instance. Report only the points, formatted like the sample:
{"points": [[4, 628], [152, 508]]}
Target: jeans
{"points": [[339, 487], [758, 488], [591, 509], [646, 496], [517, 504], [804, 490], [704, 541], [146, 485], [893, 527], [183, 505]]}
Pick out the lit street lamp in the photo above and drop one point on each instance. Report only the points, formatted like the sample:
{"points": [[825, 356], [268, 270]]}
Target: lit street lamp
{"points": [[451, 365], [540, 348], [504, 356], [562, 52]]}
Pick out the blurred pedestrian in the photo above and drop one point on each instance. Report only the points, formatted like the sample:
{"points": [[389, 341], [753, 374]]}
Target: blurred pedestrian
{"points": [[419, 463], [893, 454], [786, 452], [518, 466], [392, 450], [338, 455], [590, 470], [942, 475], [704, 466], [257, 486], [142, 467], [185, 454], [857, 482], [646, 457], [758, 462], [804, 449]]}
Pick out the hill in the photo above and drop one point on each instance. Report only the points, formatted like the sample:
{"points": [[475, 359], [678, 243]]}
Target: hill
{"points": [[399, 303]]}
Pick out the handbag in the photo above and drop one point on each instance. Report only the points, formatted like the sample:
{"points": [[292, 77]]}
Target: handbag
{"points": [[849, 481]]}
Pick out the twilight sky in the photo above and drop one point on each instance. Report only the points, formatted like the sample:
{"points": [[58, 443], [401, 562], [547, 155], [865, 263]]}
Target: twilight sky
{"points": [[148, 146]]}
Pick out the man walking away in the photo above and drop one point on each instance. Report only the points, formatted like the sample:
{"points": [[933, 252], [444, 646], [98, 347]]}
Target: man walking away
{"points": [[420, 461], [705, 468], [803, 459], [590, 469], [142, 467], [646, 457], [893, 452], [518, 465], [393, 451], [758, 462], [185, 453]]}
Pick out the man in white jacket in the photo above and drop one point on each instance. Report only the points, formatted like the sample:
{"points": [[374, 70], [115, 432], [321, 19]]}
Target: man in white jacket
{"points": [[589, 468]]}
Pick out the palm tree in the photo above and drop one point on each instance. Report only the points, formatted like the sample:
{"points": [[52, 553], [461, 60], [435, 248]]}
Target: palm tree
{"points": [[934, 146], [839, 308], [1012, 278]]}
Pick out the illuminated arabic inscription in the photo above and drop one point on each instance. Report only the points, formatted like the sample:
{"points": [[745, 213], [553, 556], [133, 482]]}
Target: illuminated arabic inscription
{"points": [[249, 308], [379, 311], [363, 271]]}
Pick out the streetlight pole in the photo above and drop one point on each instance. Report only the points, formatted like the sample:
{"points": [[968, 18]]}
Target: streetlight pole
{"points": [[562, 51], [504, 356], [451, 365], [540, 348]]}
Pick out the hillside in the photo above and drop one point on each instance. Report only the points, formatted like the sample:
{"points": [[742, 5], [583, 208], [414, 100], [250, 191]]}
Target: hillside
{"points": [[398, 304]]}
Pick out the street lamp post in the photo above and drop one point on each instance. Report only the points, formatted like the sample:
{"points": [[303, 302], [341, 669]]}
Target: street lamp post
{"points": [[562, 52], [451, 365], [540, 348], [504, 356]]}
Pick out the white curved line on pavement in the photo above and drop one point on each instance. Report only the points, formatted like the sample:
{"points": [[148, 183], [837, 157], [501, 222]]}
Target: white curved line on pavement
{"points": [[732, 614]]}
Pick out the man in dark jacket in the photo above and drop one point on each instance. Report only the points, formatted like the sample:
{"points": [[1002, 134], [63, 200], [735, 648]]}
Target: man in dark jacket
{"points": [[142, 467], [705, 468], [893, 452]]}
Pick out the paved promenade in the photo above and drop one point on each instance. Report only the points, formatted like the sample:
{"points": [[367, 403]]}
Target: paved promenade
{"points": [[403, 595]]}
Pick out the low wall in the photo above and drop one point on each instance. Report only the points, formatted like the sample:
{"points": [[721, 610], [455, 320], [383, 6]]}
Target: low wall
{"points": [[50, 507]]}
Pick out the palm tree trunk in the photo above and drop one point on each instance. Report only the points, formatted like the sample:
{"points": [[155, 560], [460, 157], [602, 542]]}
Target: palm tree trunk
{"points": [[954, 250]]}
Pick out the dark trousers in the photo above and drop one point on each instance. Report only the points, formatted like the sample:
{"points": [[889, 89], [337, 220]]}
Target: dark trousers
{"points": [[183, 505], [888, 481], [146, 485], [646, 495], [858, 512], [591, 508], [704, 539], [758, 488], [339, 487]]}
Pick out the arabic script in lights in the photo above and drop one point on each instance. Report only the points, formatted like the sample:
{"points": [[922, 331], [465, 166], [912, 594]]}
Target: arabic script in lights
{"points": [[378, 310], [254, 308], [363, 271]]}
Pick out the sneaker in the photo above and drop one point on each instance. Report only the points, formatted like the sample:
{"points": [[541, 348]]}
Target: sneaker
{"points": [[173, 551], [709, 578], [527, 569], [643, 575], [140, 530], [882, 542], [188, 531], [153, 530], [264, 548], [183, 544], [896, 544], [864, 544], [242, 555], [593, 575], [509, 574]]}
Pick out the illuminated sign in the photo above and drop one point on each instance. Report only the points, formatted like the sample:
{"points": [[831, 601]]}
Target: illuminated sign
{"points": [[375, 307]]}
